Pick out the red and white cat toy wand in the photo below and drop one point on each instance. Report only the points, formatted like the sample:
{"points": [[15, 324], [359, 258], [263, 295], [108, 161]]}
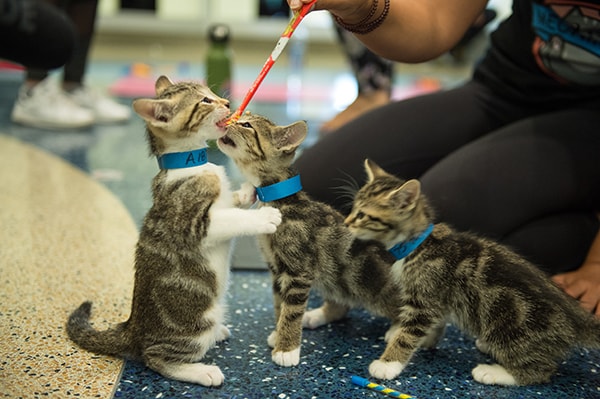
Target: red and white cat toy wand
{"points": [[281, 43]]}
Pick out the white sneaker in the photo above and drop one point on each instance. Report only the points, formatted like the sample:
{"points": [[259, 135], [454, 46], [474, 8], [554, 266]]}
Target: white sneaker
{"points": [[105, 109], [46, 106]]}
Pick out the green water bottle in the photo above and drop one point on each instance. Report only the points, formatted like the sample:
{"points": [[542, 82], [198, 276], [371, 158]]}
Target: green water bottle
{"points": [[218, 60]]}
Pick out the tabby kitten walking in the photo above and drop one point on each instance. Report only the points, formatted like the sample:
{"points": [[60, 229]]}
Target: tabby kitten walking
{"points": [[312, 248], [183, 252], [518, 315]]}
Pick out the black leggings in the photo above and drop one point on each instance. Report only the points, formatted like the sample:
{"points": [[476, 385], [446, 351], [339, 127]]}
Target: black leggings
{"points": [[35, 34], [527, 178], [83, 15]]}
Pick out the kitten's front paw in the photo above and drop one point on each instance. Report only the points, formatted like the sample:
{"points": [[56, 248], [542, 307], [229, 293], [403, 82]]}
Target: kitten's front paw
{"points": [[210, 376], [287, 359], [493, 374], [222, 333], [385, 370], [271, 218], [314, 318], [245, 196]]}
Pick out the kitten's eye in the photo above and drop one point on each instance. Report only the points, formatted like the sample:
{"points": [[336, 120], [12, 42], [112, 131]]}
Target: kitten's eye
{"points": [[207, 100], [360, 215], [247, 124]]}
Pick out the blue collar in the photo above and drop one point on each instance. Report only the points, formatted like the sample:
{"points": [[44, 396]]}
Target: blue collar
{"points": [[180, 160], [279, 190], [403, 249]]}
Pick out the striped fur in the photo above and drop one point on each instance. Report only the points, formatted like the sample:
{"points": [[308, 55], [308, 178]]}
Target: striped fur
{"points": [[526, 323], [312, 248], [182, 255]]}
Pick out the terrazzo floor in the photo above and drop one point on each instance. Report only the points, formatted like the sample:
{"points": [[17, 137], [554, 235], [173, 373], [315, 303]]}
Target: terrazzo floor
{"points": [[65, 238], [115, 156]]}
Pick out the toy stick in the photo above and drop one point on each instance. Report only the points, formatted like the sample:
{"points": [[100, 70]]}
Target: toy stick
{"points": [[281, 43], [363, 382]]}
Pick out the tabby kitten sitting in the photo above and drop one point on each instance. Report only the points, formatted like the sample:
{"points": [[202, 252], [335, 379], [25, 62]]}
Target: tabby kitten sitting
{"points": [[518, 315], [312, 247], [183, 252]]}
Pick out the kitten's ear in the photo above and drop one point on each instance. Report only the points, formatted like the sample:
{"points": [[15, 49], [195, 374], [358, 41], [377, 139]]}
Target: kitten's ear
{"points": [[161, 84], [405, 197], [293, 135], [373, 170], [153, 111]]}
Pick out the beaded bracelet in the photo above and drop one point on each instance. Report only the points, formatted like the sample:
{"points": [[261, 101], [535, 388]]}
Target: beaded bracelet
{"points": [[363, 27], [372, 11]]}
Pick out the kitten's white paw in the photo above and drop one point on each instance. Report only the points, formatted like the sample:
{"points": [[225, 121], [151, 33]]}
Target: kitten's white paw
{"points": [[198, 373], [492, 374], [314, 318], [287, 359], [271, 218], [245, 196], [210, 376], [272, 339], [482, 346], [222, 333], [385, 370]]}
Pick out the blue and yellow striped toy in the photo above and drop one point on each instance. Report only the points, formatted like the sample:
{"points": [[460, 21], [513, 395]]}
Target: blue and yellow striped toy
{"points": [[363, 382]]}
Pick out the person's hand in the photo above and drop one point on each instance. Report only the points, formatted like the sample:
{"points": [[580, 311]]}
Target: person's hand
{"points": [[296, 4], [584, 285]]}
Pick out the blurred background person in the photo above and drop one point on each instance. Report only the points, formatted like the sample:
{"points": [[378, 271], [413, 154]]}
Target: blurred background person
{"points": [[41, 103]]}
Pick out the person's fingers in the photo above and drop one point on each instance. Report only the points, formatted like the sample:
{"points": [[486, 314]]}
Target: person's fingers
{"points": [[560, 279], [585, 291], [589, 301], [574, 288]]}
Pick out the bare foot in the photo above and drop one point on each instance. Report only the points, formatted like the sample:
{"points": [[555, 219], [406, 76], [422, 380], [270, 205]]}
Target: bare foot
{"points": [[362, 104]]}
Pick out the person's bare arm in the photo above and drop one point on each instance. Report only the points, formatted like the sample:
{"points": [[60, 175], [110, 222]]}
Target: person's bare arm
{"points": [[414, 30]]}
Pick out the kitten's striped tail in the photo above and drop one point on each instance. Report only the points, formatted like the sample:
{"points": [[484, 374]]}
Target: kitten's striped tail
{"points": [[109, 342]]}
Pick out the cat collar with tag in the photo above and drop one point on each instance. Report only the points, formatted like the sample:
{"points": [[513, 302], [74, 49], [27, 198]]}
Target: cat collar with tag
{"points": [[279, 190], [403, 249], [180, 160]]}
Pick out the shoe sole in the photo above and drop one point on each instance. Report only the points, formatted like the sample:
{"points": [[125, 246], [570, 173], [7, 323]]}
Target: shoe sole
{"points": [[30, 122]]}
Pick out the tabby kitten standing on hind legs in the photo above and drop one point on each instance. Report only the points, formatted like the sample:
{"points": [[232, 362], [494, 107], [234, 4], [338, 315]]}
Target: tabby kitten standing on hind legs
{"points": [[525, 322], [183, 251]]}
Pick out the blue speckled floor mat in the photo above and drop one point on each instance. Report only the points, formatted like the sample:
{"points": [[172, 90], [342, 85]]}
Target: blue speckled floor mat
{"points": [[331, 354]]}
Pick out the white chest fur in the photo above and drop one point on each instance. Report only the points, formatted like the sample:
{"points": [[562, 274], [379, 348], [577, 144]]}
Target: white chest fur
{"points": [[217, 252]]}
